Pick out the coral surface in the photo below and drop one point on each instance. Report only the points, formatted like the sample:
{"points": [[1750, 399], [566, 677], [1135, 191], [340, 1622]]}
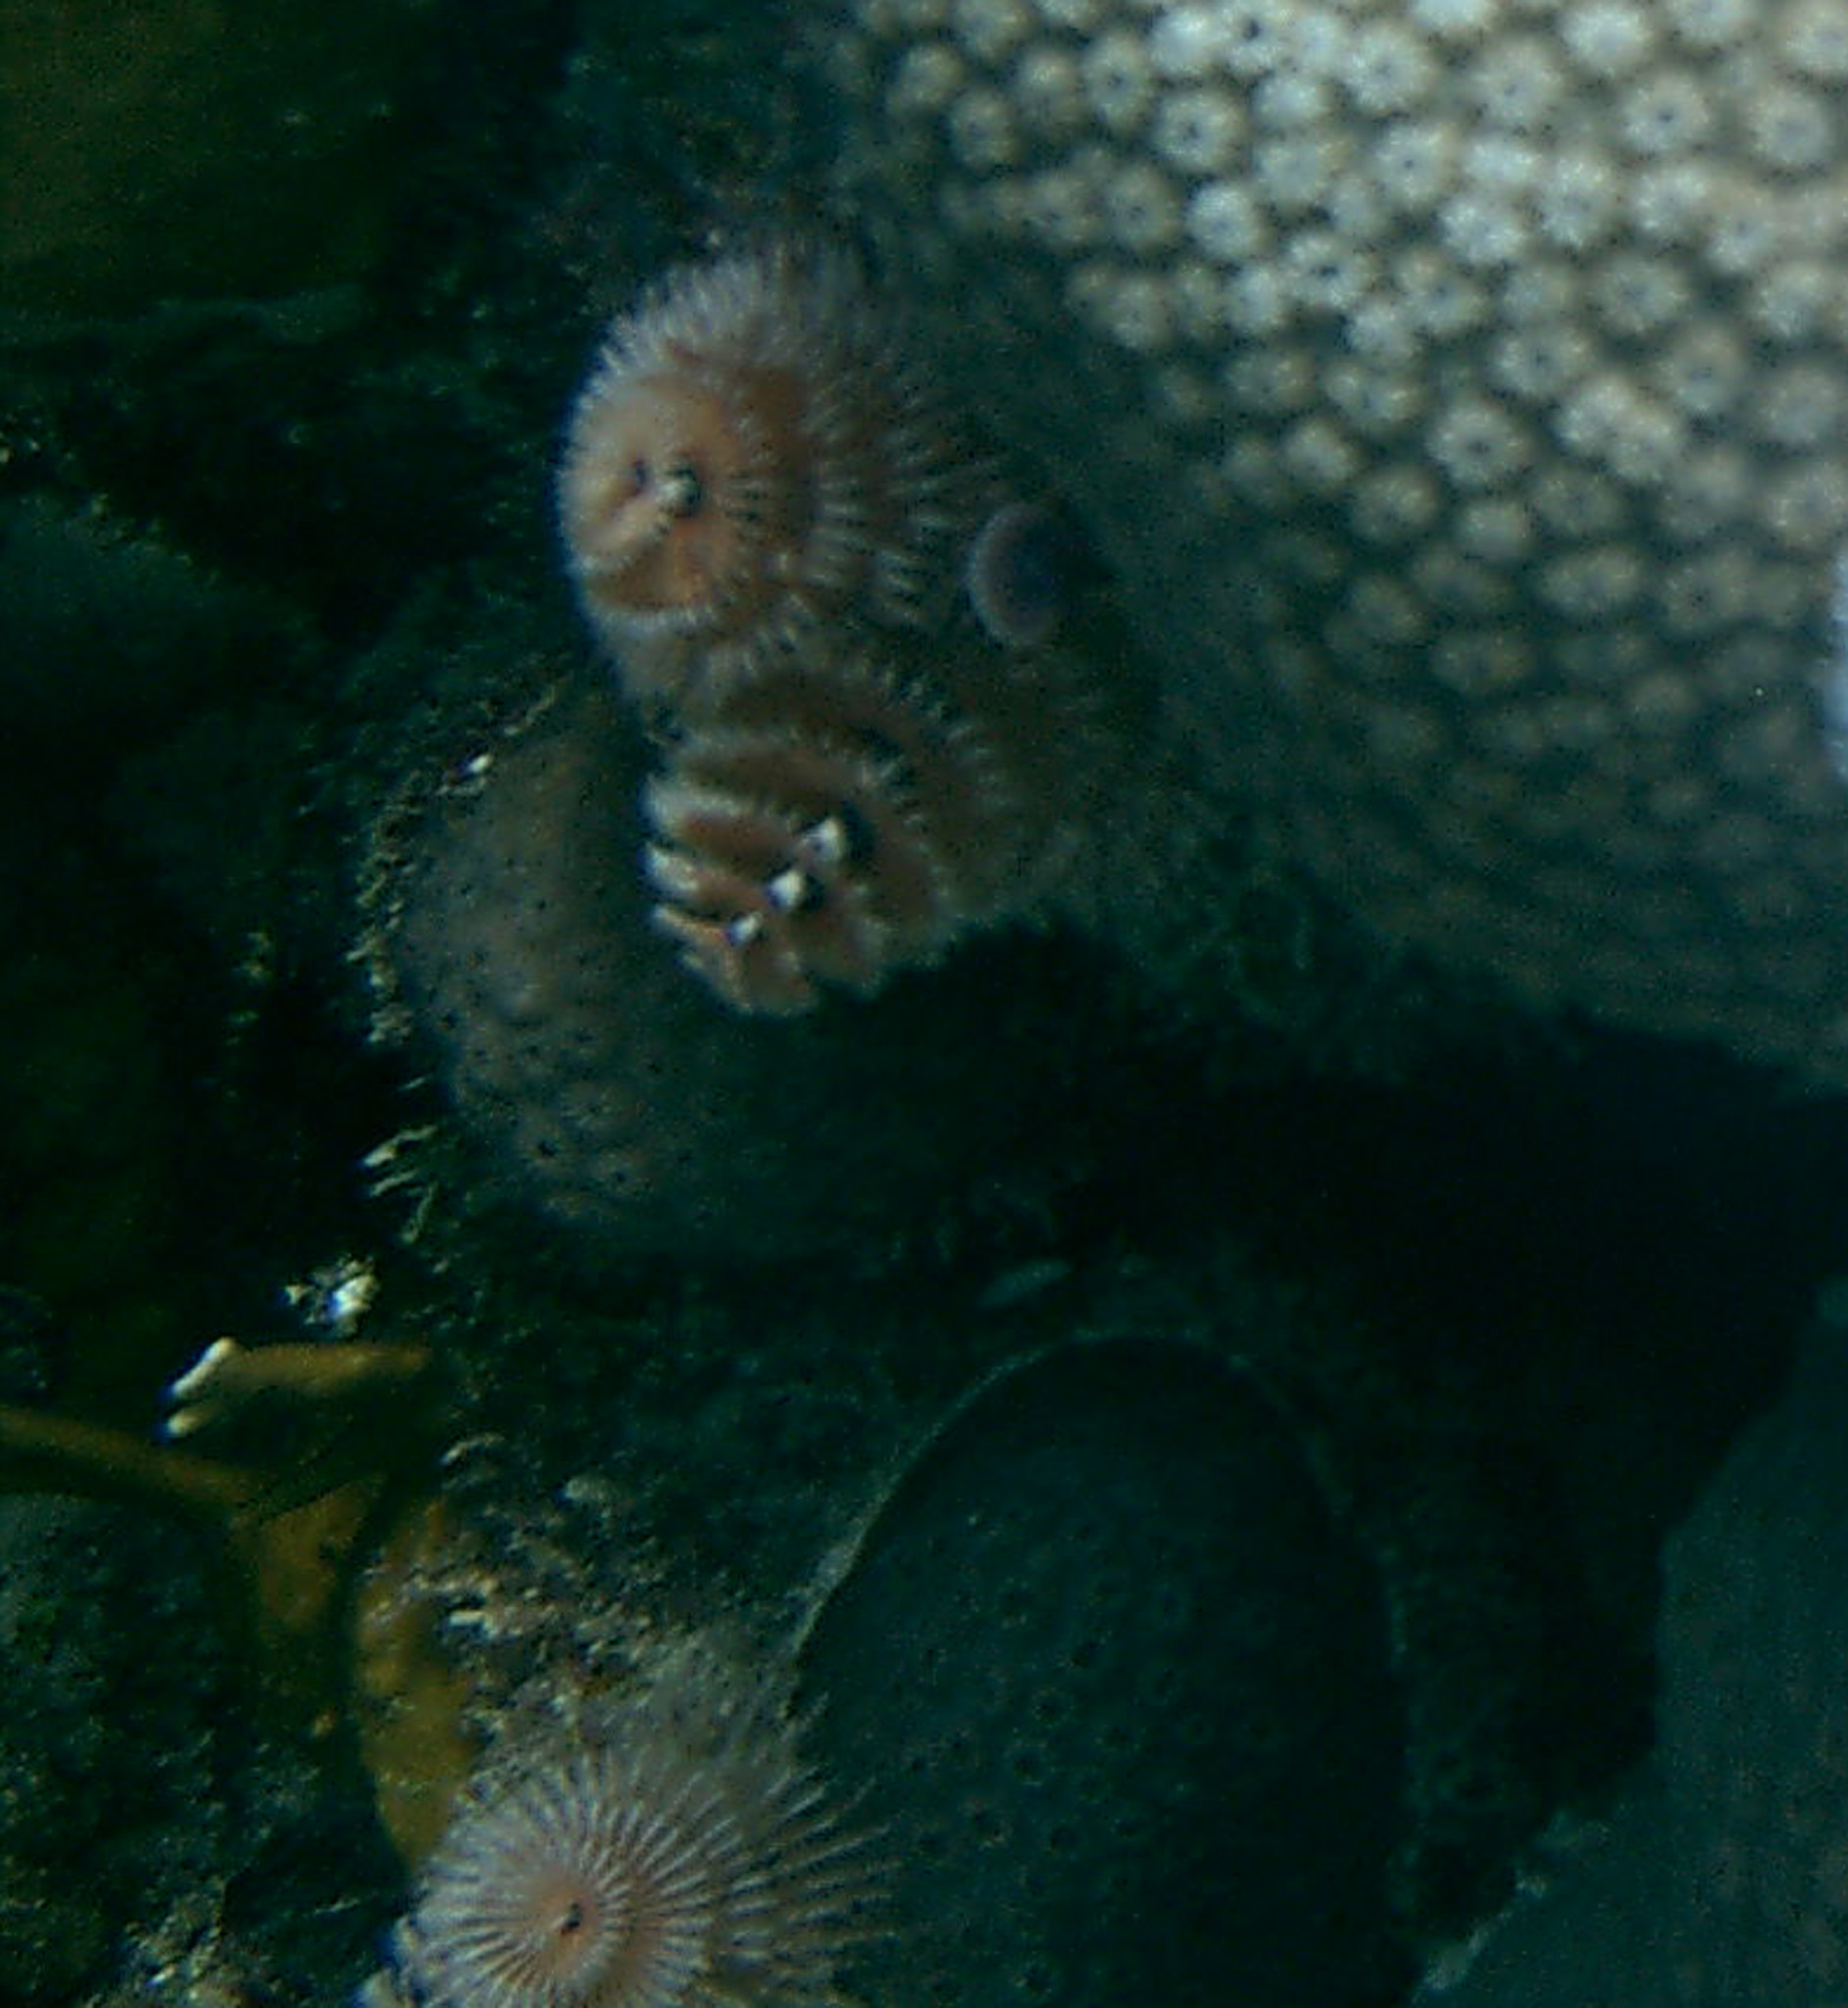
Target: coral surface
{"points": [[1135, 1732], [1460, 388], [512, 940]]}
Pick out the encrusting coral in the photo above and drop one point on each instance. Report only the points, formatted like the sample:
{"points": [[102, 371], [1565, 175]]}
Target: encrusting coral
{"points": [[1115, 1686], [1459, 391], [511, 940]]}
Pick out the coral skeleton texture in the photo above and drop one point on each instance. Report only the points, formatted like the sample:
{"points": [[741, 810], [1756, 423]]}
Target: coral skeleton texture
{"points": [[1458, 392]]}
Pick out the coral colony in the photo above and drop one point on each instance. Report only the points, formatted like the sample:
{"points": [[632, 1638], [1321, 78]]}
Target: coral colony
{"points": [[1458, 392]]}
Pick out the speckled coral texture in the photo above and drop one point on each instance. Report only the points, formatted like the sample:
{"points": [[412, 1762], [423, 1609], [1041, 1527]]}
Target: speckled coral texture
{"points": [[1460, 388]]}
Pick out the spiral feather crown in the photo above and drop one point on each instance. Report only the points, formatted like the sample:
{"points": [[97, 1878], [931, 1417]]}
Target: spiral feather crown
{"points": [[656, 1863], [836, 819], [753, 458]]}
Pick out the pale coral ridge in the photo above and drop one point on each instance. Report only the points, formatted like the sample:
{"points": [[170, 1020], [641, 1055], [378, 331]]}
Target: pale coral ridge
{"points": [[1461, 388]]}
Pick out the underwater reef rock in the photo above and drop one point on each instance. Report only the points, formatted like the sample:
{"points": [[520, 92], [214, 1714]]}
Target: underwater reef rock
{"points": [[112, 1683], [1113, 1688], [1718, 1883], [167, 149], [1460, 394], [109, 635]]}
